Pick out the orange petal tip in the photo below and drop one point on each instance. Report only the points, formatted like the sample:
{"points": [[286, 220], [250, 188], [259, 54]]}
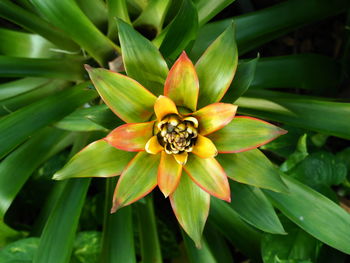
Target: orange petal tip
{"points": [[87, 67]]}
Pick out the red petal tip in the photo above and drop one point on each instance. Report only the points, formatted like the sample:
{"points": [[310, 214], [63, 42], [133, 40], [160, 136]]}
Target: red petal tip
{"points": [[87, 67], [115, 207]]}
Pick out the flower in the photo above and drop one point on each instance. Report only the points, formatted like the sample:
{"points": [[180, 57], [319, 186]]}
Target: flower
{"points": [[177, 146]]}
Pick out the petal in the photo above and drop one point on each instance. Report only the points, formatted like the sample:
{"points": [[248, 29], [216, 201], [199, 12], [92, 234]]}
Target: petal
{"points": [[164, 106], [216, 67], [182, 84], [214, 117], [169, 174], [131, 136], [204, 147], [181, 158], [243, 134], [124, 96], [98, 159], [153, 146], [209, 175], [191, 207], [137, 180]]}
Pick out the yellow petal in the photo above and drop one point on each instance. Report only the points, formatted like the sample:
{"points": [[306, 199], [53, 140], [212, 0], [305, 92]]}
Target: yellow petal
{"points": [[204, 147], [163, 107], [181, 158], [153, 146]]}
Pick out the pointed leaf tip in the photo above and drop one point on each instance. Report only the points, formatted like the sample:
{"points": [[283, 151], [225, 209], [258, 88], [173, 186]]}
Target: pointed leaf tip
{"points": [[88, 67]]}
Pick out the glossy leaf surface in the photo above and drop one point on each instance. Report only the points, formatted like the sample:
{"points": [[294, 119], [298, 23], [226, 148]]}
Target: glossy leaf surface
{"points": [[207, 9], [242, 80], [314, 214], [220, 59], [17, 126], [181, 32], [252, 205], [74, 23], [142, 60], [300, 111], [123, 95], [243, 134], [131, 136], [137, 180], [117, 247], [98, 159], [182, 84], [209, 175], [169, 173], [56, 242], [16, 87], [34, 23], [253, 168], [36, 67], [214, 117], [191, 207], [30, 155]]}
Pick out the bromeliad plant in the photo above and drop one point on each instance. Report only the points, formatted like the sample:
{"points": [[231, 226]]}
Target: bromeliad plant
{"points": [[53, 123], [177, 148]]}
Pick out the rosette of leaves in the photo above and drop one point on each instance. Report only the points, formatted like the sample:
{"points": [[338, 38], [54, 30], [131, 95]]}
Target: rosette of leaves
{"points": [[50, 111]]}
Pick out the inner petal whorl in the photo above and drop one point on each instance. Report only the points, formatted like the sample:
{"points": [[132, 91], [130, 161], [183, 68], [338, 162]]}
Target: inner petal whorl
{"points": [[177, 134]]}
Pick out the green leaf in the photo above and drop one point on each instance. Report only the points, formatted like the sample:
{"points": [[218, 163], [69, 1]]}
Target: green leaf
{"points": [[152, 17], [216, 67], [252, 205], [116, 9], [203, 255], [123, 95], [21, 251], [117, 247], [30, 155], [98, 159], [253, 168], [79, 121], [262, 26], [315, 114], [7, 234], [242, 80], [244, 133], [20, 86], [320, 169], [137, 180], [56, 241], [296, 157], [16, 127], [87, 247], [207, 9], [243, 236], [297, 246], [302, 71], [67, 69], [78, 27], [181, 31], [191, 207], [14, 103], [95, 10], [256, 28], [142, 60], [149, 240], [34, 23], [104, 117], [314, 213], [18, 44]]}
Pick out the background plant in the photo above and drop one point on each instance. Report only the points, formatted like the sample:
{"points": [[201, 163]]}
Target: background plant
{"points": [[46, 118]]}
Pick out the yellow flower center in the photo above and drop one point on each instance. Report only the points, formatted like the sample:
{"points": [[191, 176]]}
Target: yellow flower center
{"points": [[177, 134]]}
